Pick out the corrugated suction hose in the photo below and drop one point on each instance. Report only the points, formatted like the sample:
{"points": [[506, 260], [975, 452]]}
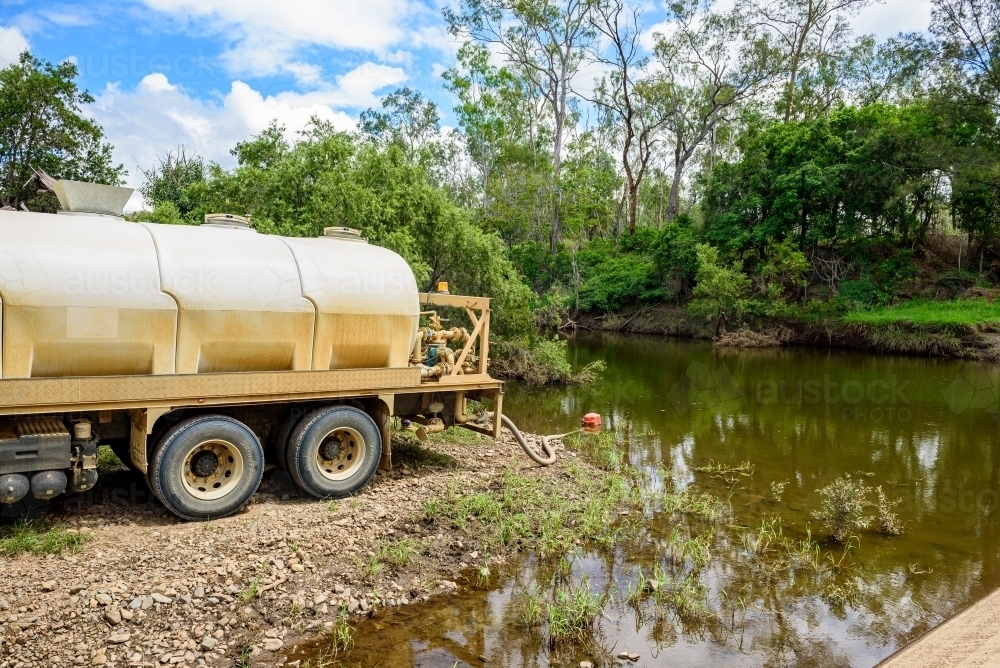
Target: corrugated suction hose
{"points": [[550, 457]]}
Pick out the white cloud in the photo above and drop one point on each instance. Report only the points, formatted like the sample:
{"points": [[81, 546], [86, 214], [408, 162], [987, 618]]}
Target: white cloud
{"points": [[12, 44], [158, 116], [266, 35], [891, 17], [68, 17], [257, 57]]}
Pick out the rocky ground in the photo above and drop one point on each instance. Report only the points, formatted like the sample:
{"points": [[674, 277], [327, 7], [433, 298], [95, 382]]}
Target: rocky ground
{"points": [[146, 589]]}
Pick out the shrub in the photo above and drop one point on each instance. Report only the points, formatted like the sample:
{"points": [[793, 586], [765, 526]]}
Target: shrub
{"points": [[860, 293], [675, 251], [720, 290], [539, 362], [844, 501], [620, 280], [888, 520]]}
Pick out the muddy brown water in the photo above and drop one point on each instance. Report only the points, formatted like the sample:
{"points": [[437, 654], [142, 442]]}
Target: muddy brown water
{"points": [[924, 429]]}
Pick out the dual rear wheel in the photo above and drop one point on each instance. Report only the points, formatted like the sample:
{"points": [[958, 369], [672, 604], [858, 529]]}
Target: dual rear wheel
{"points": [[209, 466]]}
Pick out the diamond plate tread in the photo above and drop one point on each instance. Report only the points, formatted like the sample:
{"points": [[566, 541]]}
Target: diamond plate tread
{"points": [[126, 389]]}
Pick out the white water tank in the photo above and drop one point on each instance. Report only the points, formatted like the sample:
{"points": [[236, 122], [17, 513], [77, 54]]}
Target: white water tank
{"points": [[365, 299], [81, 297], [240, 303], [95, 295]]}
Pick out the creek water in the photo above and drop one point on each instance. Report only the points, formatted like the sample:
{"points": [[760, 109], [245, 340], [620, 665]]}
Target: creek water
{"points": [[925, 430]]}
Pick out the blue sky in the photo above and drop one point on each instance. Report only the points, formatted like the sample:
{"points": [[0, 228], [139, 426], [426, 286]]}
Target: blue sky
{"points": [[209, 73]]}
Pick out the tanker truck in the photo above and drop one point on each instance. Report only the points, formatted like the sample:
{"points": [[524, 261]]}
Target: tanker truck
{"points": [[205, 354]]}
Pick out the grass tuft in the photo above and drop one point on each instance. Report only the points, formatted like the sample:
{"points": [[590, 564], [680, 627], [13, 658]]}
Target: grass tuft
{"points": [[342, 633], [533, 611], [107, 460], [29, 537], [571, 615]]}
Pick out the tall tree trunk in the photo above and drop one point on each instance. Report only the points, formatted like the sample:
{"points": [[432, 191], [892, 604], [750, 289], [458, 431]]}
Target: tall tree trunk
{"points": [[557, 144], [675, 187]]}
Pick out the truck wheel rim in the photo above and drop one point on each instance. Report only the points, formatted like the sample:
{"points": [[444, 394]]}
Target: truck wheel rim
{"points": [[208, 482], [340, 453]]}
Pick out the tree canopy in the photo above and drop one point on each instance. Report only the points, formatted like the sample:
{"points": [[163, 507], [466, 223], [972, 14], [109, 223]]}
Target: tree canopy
{"points": [[42, 127]]}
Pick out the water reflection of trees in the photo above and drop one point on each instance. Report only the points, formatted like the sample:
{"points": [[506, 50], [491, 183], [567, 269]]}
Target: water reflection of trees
{"points": [[944, 465]]}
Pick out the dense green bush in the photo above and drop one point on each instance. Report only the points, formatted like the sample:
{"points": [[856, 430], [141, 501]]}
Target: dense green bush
{"points": [[619, 280]]}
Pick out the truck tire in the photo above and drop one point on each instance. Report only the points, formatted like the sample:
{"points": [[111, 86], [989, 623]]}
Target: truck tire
{"points": [[334, 451], [206, 467]]}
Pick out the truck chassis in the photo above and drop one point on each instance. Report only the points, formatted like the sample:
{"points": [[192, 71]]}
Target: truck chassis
{"points": [[304, 422]]}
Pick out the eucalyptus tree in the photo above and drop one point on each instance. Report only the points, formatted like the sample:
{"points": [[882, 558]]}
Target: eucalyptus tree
{"points": [[712, 70], [545, 41], [968, 32], [966, 36], [406, 118], [634, 103], [893, 71], [811, 37], [498, 115]]}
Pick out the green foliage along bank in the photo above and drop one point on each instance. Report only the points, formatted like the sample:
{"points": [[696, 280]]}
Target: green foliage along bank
{"points": [[746, 167]]}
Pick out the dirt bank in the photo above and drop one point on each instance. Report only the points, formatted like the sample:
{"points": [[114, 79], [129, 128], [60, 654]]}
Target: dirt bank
{"points": [[971, 638], [967, 342], [148, 590]]}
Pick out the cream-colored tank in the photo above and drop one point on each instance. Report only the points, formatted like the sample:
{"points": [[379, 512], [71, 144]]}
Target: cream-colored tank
{"points": [[94, 295], [239, 298], [81, 296], [366, 302]]}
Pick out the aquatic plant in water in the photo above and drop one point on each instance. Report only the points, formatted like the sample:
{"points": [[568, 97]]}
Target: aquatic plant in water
{"points": [[888, 520], [844, 501]]}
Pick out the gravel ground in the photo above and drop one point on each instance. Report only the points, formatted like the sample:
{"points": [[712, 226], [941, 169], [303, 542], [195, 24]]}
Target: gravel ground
{"points": [[149, 590]]}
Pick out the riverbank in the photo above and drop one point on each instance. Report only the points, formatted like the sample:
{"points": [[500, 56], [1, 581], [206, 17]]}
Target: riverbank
{"points": [[145, 589], [967, 331]]}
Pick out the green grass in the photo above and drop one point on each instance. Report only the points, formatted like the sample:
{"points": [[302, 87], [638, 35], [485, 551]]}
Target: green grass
{"points": [[396, 554], [342, 634], [533, 612], [250, 592], [370, 568], [571, 615], [107, 460], [27, 537], [957, 312], [549, 515]]}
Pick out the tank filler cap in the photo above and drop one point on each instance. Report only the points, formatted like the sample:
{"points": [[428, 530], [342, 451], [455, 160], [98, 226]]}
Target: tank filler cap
{"points": [[227, 220], [344, 234]]}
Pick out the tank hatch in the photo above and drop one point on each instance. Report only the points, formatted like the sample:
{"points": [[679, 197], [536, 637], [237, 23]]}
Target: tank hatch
{"points": [[344, 234], [227, 220]]}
